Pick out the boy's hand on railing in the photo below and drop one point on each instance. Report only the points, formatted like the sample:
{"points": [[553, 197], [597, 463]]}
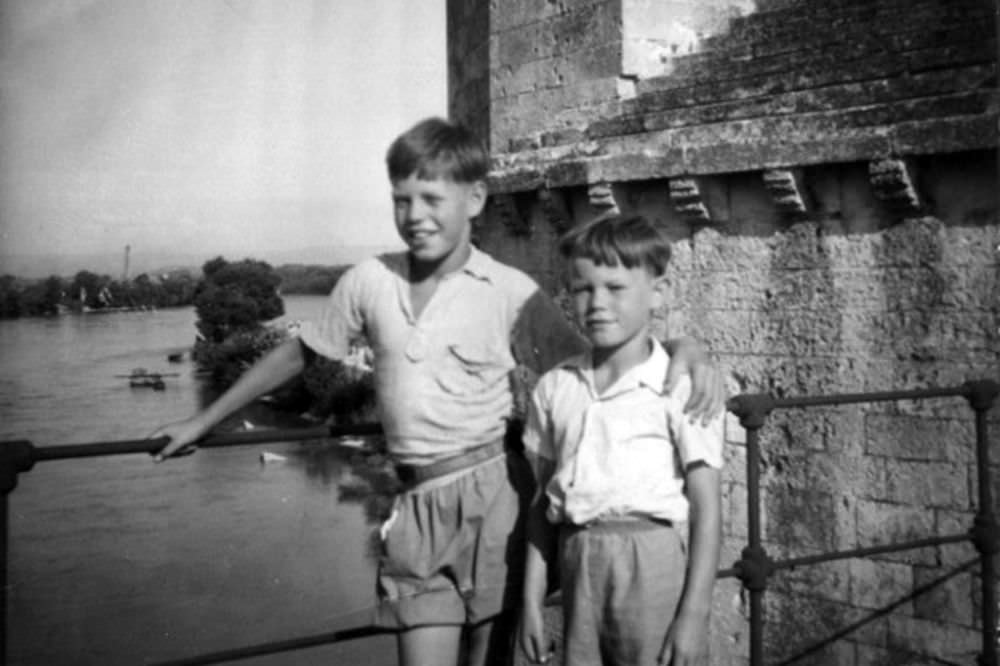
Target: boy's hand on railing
{"points": [[708, 385], [182, 436]]}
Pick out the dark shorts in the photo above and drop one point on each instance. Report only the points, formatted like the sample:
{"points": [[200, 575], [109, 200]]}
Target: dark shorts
{"points": [[621, 584], [453, 553]]}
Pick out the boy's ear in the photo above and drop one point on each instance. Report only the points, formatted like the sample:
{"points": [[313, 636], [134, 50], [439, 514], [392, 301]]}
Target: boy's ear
{"points": [[661, 288], [477, 198]]}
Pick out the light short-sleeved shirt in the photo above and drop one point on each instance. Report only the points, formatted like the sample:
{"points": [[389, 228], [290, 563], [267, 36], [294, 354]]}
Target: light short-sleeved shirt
{"points": [[441, 379], [622, 452]]}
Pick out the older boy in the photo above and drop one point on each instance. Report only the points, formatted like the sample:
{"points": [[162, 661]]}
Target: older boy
{"points": [[443, 320], [619, 475]]}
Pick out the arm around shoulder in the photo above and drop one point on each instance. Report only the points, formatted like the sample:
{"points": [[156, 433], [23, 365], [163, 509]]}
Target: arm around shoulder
{"points": [[708, 385]]}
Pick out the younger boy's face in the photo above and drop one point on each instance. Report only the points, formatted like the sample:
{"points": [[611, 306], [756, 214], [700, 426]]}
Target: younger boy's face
{"points": [[614, 304], [433, 218]]}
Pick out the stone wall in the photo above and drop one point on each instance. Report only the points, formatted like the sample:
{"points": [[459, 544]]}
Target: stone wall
{"points": [[827, 170]]}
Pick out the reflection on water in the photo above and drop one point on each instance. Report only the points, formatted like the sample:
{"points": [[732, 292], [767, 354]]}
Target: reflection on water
{"points": [[122, 561]]}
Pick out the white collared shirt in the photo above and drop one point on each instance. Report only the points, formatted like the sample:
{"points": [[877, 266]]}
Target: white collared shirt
{"points": [[622, 452], [441, 380]]}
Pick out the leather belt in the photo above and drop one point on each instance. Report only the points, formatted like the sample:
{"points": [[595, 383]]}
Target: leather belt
{"points": [[412, 475]]}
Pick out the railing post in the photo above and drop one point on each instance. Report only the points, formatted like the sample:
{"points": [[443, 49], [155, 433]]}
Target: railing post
{"points": [[15, 457], [755, 566], [985, 535]]}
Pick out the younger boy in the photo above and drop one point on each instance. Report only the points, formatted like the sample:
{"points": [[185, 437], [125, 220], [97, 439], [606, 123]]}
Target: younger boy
{"points": [[619, 476], [444, 321]]}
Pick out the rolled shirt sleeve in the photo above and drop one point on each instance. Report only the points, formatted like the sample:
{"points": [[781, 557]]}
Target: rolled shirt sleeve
{"points": [[695, 442]]}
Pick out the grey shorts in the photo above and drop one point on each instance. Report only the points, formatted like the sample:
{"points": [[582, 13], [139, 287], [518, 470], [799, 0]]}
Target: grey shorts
{"points": [[454, 553], [621, 584]]}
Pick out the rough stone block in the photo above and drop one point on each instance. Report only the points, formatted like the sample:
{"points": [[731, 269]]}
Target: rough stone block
{"points": [[951, 600], [951, 523], [934, 638], [877, 584], [800, 516], [919, 439], [880, 524], [796, 624], [876, 655], [827, 580], [937, 484]]}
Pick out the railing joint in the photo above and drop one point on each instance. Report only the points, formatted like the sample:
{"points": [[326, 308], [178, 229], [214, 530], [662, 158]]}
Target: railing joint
{"points": [[985, 533], [15, 457], [754, 568], [981, 393], [752, 409]]}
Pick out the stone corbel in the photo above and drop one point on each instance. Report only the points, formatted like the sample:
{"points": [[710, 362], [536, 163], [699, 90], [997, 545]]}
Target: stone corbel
{"points": [[602, 198], [555, 207], [686, 195], [512, 213], [787, 190], [894, 184]]}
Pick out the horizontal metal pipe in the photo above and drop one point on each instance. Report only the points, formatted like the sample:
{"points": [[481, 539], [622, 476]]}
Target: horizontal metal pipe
{"points": [[278, 646], [871, 550], [852, 398], [93, 449]]}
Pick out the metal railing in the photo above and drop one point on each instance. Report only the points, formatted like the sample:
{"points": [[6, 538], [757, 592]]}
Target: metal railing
{"points": [[753, 569]]}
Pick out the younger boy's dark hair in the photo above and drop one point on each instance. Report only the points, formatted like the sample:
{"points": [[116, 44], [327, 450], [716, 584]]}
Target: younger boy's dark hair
{"points": [[437, 148], [616, 239]]}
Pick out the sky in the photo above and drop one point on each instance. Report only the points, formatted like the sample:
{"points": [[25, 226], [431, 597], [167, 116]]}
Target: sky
{"points": [[234, 127]]}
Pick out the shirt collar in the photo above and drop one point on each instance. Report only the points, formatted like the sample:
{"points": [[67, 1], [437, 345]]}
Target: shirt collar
{"points": [[479, 265], [651, 373]]}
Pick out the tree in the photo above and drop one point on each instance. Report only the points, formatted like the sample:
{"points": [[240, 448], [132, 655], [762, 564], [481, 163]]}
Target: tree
{"points": [[86, 287], [10, 297], [236, 296]]}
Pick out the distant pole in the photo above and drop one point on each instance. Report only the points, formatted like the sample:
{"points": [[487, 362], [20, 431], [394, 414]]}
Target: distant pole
{"points": [[128, 248]]}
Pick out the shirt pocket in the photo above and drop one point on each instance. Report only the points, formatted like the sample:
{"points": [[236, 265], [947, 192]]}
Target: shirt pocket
{"points": [[469, 369]]}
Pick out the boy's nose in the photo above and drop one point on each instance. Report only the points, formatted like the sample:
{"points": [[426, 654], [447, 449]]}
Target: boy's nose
{"points": [[598, 299], [416, 211]]}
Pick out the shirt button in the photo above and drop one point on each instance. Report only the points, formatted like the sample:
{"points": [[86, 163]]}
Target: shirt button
{"points": [[416, 346]]}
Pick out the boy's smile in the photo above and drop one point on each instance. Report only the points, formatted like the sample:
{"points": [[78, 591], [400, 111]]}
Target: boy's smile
{"points": [[433, 219], [613, 304]]}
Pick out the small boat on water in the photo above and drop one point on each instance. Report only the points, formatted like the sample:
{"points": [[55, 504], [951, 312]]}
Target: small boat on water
{"points": [[142, 378], [269, 457]]}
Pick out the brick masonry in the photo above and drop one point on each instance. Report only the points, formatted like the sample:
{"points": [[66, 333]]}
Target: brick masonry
{"points": [[827, 172]]}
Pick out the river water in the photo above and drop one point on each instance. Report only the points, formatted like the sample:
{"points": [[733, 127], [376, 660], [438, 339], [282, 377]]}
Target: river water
{"points": [[118, 560]]}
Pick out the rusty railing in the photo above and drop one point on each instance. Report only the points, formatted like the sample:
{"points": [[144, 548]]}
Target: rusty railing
{"points": [[753, 569]]}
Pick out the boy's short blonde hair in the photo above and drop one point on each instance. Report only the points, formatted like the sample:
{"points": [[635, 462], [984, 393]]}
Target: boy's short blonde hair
{"points": [[617, 239], [437, 148]]}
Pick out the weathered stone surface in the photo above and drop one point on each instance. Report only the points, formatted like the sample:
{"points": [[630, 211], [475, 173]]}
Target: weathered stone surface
{"points": [[876, 584], [934, 484], [882, 523], [951, 599], [894, 184], [853, 297], [934, 637], [919, 438]]}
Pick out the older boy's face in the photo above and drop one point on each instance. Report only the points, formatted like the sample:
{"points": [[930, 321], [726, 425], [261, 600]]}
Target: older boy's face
{"points": [[433, 218], [613, 304]]}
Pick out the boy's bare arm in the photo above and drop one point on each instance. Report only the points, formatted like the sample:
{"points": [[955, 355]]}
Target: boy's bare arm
{"points": [[278, 366], [540, 550], [687, 639]]}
